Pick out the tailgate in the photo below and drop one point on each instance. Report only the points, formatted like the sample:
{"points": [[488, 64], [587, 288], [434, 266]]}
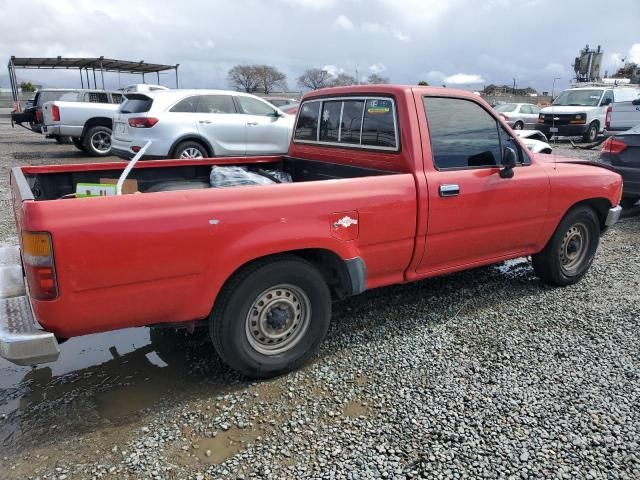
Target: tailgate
{"points": [[20, 191]]}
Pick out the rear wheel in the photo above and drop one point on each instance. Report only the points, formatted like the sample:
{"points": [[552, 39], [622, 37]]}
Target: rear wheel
{"points": [[271, 317], [592, 133], [97, 141], [569, 253], [518, 125], [78, 142], [190, 149]]}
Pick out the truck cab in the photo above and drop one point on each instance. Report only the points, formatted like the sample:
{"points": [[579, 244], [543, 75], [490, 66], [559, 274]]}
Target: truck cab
{"points": [[582, 111]]}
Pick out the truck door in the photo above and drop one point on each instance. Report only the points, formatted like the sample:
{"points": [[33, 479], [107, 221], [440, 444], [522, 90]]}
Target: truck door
{"points": [[474, 214]]}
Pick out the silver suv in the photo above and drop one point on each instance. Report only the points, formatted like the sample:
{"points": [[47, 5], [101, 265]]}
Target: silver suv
{"points": [[199, 124]]}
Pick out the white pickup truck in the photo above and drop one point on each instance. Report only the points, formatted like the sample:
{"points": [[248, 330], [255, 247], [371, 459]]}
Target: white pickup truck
{"points": [[622, 116], [88, 123]]}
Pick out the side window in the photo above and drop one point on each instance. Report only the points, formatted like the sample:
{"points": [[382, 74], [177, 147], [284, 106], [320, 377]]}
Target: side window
{"points": [[330, 121], [525, 109], [535, 109], [378, 125], [66, 97], [187, 105], [351, 121], [462, 134], [116, 98], [307, 126], [252, 106], [608, 95], [96, 97], [216, 104], [509, 141]]}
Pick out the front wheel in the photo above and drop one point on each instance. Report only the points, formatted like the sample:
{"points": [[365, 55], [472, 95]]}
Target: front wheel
{"points": [[591, 134], [271, 317], [518, 125], [569, 253]]}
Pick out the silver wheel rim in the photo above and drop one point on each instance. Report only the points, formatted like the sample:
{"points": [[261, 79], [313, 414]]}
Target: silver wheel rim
{"points": [[101, 142], [191, 152], [518, 126], [278, 319], [574, 248]]}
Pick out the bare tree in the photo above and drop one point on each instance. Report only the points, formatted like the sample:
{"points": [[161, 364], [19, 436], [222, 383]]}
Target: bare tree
{"points": [[375, 79], [270, 78], [243, 77], [314, 78], [342, 80]]}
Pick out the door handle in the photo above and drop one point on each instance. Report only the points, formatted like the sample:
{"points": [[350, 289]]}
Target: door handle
{"points": [[252, 123], [206, 122], [449, 190]]}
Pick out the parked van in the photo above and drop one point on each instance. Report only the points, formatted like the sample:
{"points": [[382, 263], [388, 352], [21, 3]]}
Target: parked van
{"points": [[582, 111]]}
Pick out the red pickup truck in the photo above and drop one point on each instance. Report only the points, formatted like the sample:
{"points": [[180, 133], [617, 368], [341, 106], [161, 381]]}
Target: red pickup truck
{"points": [[388, 184]]}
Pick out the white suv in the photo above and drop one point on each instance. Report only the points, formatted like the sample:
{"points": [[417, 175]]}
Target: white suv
{"points": [[199, 124]]}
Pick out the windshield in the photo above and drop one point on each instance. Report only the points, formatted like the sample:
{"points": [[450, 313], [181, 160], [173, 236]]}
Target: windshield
{"points": [[506, 107], [578, 98]]}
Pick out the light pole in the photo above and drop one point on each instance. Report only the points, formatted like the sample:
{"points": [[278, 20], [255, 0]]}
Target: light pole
{"points": [[553, 87]]}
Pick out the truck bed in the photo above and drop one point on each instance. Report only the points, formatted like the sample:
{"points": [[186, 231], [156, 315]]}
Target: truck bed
{"points": [[155, 176]]}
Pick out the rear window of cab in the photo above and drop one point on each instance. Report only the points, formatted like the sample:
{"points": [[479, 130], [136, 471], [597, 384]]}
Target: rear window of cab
{"points": [[357, 122]]}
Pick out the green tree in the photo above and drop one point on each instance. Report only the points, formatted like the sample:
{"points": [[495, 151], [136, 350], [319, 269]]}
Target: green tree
{"points": [[423, 83], [27, 87]]}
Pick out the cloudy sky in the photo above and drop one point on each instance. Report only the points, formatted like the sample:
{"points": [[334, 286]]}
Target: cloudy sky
{"points": [[466, 43]]}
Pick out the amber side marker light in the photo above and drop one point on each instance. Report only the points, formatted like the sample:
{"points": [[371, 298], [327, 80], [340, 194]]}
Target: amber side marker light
{"points": [[39, 267]]}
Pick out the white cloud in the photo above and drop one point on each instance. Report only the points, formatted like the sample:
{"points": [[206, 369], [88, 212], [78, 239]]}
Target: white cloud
{"points": [[313, 4], [634, 53], [333, 70], [377, 68], [556, 69], [463, 79], [343, 22], [377, 28]]}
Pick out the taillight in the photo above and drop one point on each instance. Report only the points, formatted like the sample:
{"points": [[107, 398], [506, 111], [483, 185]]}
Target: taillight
{"points": [[613, 145], [37, 257], [142, 122], [38, 116], [55, 112], [607, 119]]}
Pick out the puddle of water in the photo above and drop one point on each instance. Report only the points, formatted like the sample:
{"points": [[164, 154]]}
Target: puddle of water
{"points": [[225, 445], [113, 375], [355, 408]]}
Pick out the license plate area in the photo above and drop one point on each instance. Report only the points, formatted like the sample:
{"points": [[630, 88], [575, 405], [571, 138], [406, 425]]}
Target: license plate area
{"points": [[553, 129]]}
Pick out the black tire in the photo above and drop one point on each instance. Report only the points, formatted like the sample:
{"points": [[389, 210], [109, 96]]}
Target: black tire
{"points": [[550, 136], [569, 253], [97, 141], [592, 133], [78, 142], [59, 140], [235, 333], [190, 149], [518, 125]]}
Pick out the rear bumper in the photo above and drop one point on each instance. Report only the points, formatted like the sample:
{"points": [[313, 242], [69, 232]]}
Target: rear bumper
{"points": [[564, 130], [128, 155], [64, 130], [613, 216], [22, 341]]}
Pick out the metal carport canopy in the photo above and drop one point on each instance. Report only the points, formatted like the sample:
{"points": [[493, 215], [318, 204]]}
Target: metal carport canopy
{"points": [[99, 64]]}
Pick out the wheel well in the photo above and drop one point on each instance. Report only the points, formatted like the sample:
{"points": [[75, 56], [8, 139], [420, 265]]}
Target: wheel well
{"points": [[546, 150], [333, 269], [599, 205], [192, 138], [93, 122]]}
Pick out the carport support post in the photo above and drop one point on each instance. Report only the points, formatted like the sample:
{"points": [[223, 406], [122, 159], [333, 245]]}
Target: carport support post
{"points": [[158, 75], [81, 80], [14, 86], [102, 72], [177, 65], [95, 83], [86, 70]]}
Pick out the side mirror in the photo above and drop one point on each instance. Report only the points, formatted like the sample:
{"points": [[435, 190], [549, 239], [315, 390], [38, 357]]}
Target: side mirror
{"points": [[509, 160], [274, 114]]}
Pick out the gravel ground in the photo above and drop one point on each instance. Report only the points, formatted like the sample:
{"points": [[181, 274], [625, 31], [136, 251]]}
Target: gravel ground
{"points": [[481, 374]]}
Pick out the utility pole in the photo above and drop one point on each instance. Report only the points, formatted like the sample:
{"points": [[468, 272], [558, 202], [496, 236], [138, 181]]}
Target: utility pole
{"points": [[357, 77], [553, 86]]}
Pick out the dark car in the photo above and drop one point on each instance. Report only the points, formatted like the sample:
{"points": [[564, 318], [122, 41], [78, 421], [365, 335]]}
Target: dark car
{"points": [[622, 152]]}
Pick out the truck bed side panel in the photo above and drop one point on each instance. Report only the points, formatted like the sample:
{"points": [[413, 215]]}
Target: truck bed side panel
{"points": [[164, 256]]}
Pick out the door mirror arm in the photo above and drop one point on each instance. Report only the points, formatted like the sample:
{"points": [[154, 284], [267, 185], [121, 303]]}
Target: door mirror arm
{"points": [[508, 162]]}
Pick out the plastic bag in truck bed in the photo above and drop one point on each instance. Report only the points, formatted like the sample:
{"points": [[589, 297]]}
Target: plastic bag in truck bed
{"points": [[232, 176]]}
